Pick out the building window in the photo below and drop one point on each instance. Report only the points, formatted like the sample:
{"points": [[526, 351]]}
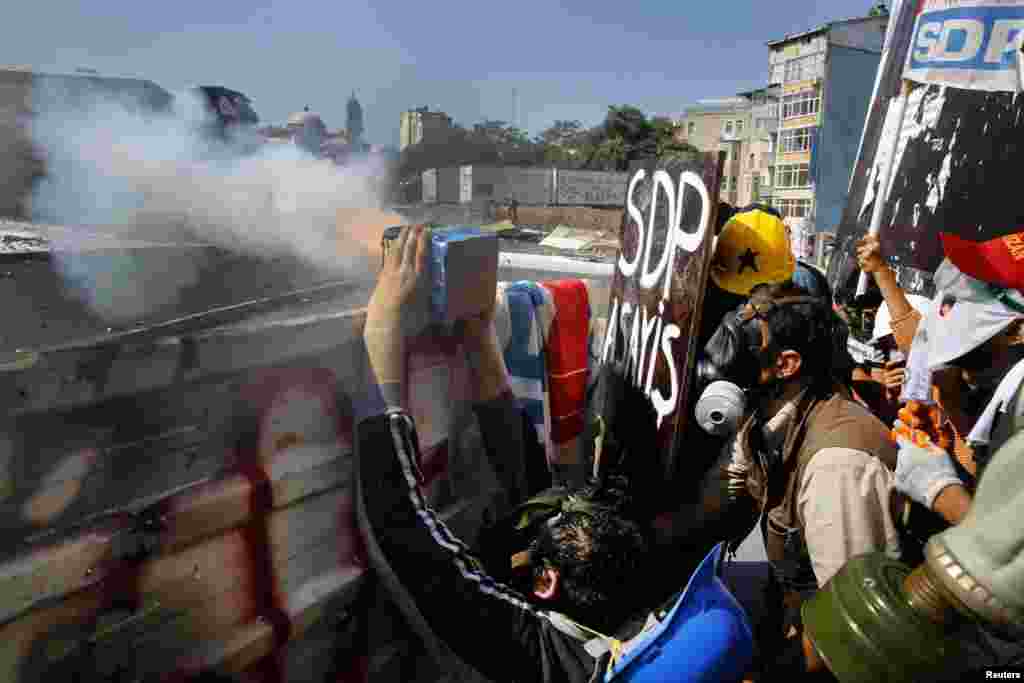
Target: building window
{"points": [[796, 140], [739, 128], [793, 208], [691, 128], [725, 183], [792, 175], [728, 129], [801, 104], [803, 68]]}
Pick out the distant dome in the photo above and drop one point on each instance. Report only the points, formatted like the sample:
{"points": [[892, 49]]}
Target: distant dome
{"points": [[306, 118]]}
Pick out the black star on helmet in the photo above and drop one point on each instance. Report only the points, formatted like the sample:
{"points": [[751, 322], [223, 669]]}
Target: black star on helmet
{"points": [[748, 259]]}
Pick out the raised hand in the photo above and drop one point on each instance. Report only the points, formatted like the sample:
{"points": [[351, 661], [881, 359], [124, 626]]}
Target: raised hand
{"points": [[398, 303], [869, 254]]}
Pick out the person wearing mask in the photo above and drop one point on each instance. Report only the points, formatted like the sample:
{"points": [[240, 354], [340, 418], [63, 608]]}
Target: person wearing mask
{"points": [[977, 331], [971, 333], [904, 315], [579, 565], [812, 464], [751, 248]]}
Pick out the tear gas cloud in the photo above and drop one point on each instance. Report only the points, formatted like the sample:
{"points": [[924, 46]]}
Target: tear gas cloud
{"points": [[158, 178]]}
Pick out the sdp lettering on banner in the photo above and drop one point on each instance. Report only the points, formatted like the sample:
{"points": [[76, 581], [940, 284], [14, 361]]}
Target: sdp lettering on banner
{"points": [[658, 284], [972, 44]]}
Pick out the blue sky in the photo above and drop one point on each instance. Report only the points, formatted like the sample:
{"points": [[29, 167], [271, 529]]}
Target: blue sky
{"points": [[566, 60]]}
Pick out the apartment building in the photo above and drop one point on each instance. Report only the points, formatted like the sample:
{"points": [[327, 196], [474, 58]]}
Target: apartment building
{"points": [[744, 127], [721, 125], [825, 77], [757, 177]]}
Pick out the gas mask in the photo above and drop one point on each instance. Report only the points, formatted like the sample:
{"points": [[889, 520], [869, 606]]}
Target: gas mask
{"points": [[729, 370]]}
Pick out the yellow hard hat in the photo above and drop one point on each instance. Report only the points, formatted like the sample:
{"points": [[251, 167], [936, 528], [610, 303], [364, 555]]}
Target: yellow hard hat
{"points": [[753, 249]]}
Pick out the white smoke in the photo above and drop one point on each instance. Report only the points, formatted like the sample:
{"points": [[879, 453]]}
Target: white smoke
{"points": [[157, 178]]}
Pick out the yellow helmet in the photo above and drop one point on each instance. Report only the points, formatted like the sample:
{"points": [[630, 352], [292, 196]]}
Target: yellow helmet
{"points": [[753, 248]]}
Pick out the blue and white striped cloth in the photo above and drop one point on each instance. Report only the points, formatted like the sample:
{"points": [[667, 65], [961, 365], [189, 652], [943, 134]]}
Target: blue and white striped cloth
{"points": [[523, 317]]}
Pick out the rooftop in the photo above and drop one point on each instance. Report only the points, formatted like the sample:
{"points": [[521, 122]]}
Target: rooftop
{"points": [[820, 29], [717, 105], [769, 91]]}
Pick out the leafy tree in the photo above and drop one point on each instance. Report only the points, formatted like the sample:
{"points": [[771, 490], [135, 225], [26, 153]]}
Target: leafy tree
{"points": [[565, 144], [562, 134], [625, 137], [668, 145]]}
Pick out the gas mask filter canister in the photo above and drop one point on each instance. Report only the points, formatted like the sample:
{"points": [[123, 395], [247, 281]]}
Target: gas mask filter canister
{"points": [[720, 408]]}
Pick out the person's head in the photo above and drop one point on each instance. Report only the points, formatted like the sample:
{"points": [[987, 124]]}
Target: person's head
{"points": [[586, 564], [725, 212], [734, 271], [813, 280], [780, 340], [973, 326], [752, 249], [985, 364]]}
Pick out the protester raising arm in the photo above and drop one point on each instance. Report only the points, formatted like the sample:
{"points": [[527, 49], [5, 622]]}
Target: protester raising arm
{"points": [[483, 352], [391, 316], [513, 450], [439, 585], [904, 317]]}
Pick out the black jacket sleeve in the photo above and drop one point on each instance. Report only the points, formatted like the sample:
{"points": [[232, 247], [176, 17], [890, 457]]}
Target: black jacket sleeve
{"points": [[512, 448], [437, 583]]}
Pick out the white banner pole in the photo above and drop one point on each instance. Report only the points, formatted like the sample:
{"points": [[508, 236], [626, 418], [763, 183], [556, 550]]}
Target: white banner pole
{"points": [[883, 188]]}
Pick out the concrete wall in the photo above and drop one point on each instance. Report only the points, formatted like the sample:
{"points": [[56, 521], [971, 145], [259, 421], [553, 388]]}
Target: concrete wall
{"points": [[525, 185], [851, 77], [529, 186]]}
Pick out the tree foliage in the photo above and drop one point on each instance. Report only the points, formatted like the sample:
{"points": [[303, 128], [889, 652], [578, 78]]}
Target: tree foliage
{"points": [[626, 136]]}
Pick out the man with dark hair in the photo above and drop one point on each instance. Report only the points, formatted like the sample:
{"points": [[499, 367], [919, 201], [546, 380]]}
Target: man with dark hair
{"points": [[581, 563], [593, 555], [813, 463]]}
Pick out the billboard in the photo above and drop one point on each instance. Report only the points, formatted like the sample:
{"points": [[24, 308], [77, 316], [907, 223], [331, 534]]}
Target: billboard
{"points": [[590, 188]]}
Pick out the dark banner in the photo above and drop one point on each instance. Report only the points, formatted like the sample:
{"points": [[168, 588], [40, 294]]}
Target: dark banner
{"points": [[658, 287], [957, 153], [878, 126]]}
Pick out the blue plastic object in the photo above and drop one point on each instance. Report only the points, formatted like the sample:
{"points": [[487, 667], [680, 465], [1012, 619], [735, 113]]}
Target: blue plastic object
{"points": [[705, 637], [439, 241]]}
